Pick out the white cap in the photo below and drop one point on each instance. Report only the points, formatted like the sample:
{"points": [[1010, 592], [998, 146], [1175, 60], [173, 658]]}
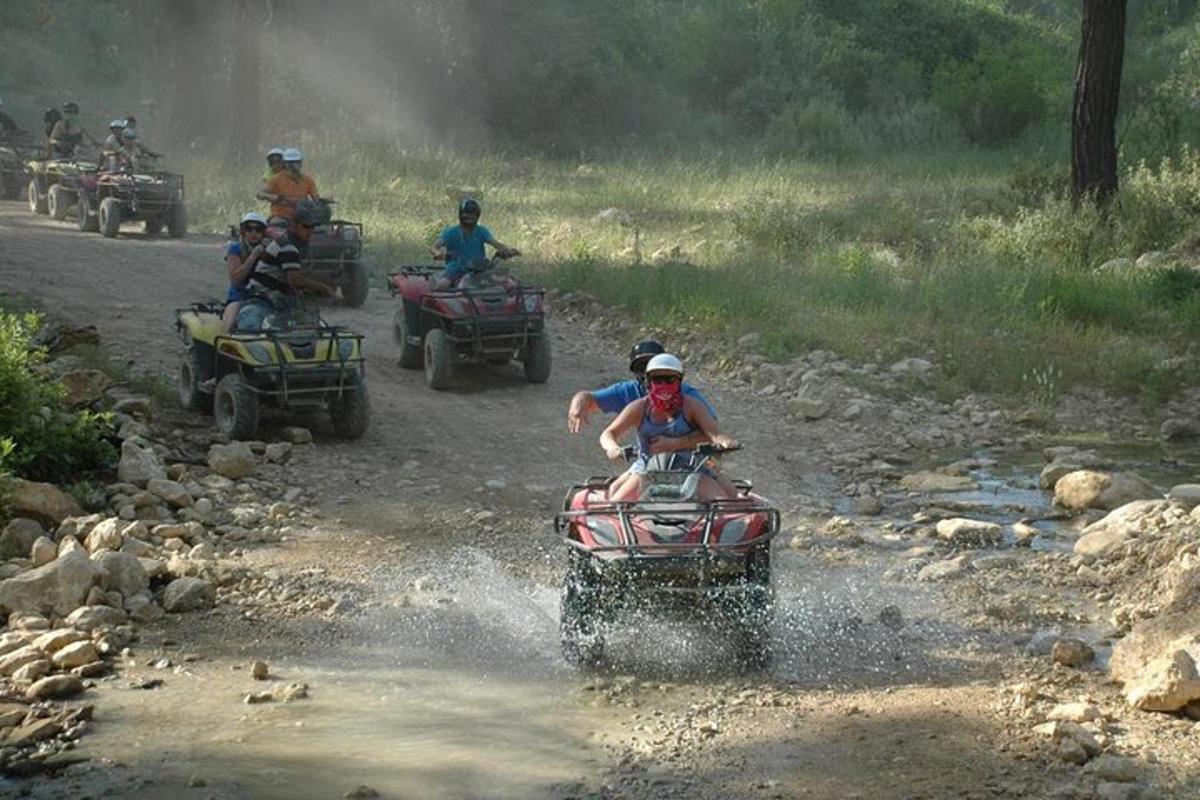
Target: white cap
{"points": [[119, 122], [293, 154], [275, 151], [665, 362], [253, 216]]}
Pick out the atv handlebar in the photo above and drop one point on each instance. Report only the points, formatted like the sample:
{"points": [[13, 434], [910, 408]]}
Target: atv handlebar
{"points": [[706, 450]]}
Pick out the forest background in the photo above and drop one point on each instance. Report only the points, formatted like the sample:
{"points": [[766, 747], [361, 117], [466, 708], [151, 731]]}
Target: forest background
{"points": [[880, 178]]}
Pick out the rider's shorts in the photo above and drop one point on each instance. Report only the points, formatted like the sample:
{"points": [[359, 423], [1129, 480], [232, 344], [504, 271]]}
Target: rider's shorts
{"points": [[253, 313]]}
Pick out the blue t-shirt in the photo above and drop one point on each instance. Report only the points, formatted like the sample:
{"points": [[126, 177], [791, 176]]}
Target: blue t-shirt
{"points": [[237, 291], [464, 249], [612, 399]]}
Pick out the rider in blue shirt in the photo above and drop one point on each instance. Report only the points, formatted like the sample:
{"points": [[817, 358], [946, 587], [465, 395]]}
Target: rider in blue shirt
{"points": [[462, 245], [613, 398]]}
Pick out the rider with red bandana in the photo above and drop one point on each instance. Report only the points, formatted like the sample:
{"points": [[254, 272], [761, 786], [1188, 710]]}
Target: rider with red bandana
{"points": [[669, 424], [614, 397]]}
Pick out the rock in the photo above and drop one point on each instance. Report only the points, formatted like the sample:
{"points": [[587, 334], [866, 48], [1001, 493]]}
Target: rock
{"points": [[139, 463], [1106, 536], [969, 532], [33, 671], [296, 435], [232, 461], [53, 641], [69, 544], [84, 386], [188, 594], [90, 618], [19, 621], [75, 654], [1055, 471], [43, 502], [56, 687], [1179, 428], [927, 481], [43, 551], [278, 452], [142, 608], [1071, 751], [11, 662], [1086, 489], [136, 547], [16, 541], [1072, 652], [137, 407], [911, 366], [171, 531], [809, 408], [34, 731], [96, 597], [942, 570], [1024, 534], [78, 527], [891, 617], [123, 572], [202, 552], [748, 341], [1118, 769], [258, 670], [1070, 731], [868, 505], [1167, 683], [105, 536], [991, 561], [1185, 494], [60, 586], [1074, 712], [172, 492]]}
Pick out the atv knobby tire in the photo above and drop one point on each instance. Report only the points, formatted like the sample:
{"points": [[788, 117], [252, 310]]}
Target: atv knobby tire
{"points": [[536, 359], [351, 413], [235, 407], [194, 369], [57, 202], [37, 203], [581, 630], [753, 617], [439, 359], [411, 355], [177, 223], [86, 214], [355, 285], [110, 217]]}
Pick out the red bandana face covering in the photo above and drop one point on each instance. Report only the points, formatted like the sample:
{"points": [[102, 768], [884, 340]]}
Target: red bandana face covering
{"points": [[666, 398]]}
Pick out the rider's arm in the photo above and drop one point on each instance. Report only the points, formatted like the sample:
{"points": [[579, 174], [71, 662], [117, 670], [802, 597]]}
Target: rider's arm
{"points": [[699, 416], [626, 421], [240, 270], [301, 282], [583, 405], [439, 248]]}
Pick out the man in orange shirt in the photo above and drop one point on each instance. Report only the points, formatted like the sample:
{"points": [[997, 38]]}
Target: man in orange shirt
{"points": [[288, 187]]}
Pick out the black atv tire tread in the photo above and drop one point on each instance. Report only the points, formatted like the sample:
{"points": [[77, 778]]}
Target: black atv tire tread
{"points": [[57, 204], [37, 203], [536, 359], [356, 285], [439, 359], [177, 222], [193, 370], [412, 356], [581, 631], [86, 215], [240, 422], [109, 217], [351, 413]]}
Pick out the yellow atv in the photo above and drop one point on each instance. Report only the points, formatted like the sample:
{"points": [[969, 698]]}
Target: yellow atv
{"points": [[295, 362]]}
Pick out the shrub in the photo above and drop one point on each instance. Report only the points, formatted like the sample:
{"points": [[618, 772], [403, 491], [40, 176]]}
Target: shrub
{"points": [[39, 439]]}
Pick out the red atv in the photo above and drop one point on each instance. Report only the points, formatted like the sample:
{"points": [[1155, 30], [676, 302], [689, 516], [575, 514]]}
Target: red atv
{"points": [[138, 192], [667, 553], [487, 316]]}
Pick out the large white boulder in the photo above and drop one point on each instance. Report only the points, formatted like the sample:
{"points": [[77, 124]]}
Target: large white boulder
{"points": [[41, 501], [139, 463], [234, 461], [1085, 488], [58, 587]]}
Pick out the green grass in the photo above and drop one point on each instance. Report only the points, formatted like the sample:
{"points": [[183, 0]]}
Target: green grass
{"points": [[951, 255]]}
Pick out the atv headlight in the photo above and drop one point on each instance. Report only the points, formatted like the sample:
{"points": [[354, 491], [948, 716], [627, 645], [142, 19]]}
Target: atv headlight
{"points": [[733, 530], [531, 303], [258, 351]]}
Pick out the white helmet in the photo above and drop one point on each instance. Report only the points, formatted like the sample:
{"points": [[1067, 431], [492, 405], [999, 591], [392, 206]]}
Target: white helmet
{"points": [[253, 216], [116, 123], [275, 151], [293, 154], [665, 362]]}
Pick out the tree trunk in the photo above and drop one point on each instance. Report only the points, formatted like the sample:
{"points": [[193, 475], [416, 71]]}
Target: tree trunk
{"points": [[1097, 91]]}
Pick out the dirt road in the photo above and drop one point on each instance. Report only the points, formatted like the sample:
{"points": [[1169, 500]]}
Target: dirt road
{"points": [[444, 680]]}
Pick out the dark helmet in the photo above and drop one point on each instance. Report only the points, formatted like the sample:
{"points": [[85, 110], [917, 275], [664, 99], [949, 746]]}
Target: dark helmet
{"points": [[70, 107], [469, 205], [309, 212], [641, 353]]}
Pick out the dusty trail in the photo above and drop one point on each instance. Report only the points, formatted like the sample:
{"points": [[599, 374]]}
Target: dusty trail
{"points": [[447, 683]]}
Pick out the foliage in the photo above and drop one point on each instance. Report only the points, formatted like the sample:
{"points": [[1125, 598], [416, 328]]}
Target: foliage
{"points": [[39, 438]]}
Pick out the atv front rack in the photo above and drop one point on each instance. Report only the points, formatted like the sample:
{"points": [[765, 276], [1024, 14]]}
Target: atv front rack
{"points": [[630, 547]]}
